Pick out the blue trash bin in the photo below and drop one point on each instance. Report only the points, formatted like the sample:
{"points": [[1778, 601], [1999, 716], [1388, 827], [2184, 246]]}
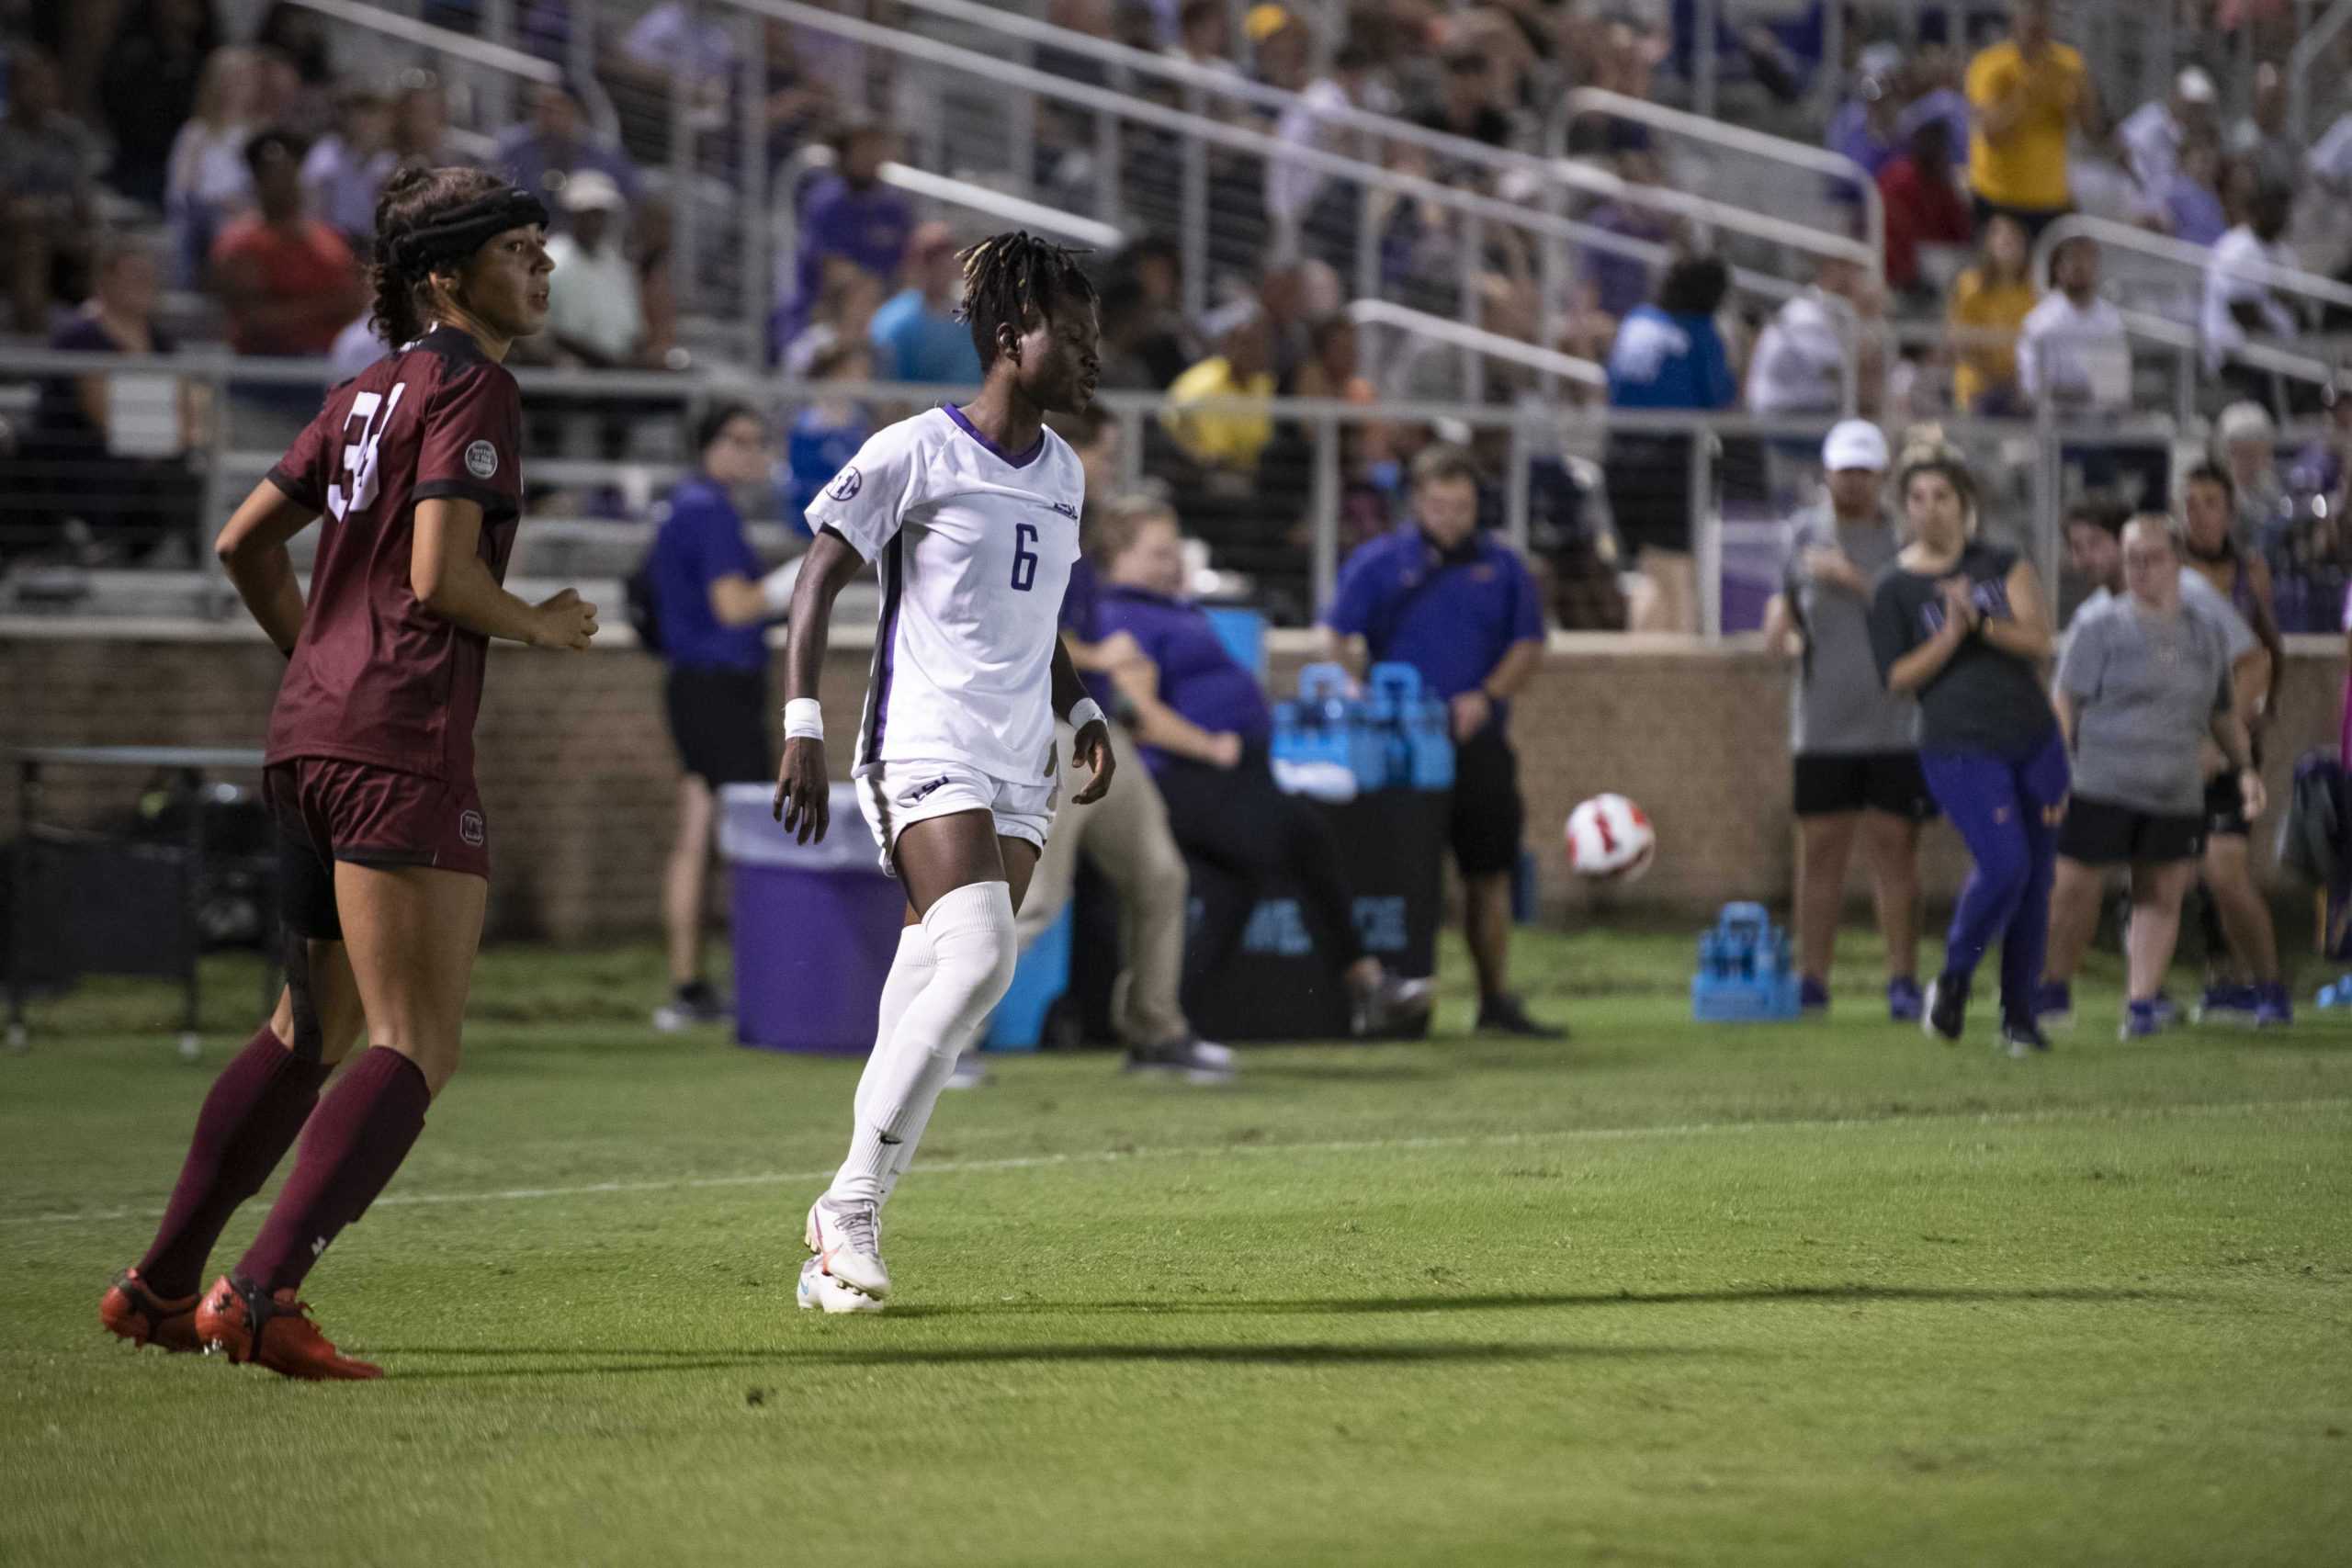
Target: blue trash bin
{"points": [[816, 925]]}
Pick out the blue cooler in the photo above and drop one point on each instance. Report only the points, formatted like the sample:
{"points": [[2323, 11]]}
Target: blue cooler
{"points": [[816, 925]]}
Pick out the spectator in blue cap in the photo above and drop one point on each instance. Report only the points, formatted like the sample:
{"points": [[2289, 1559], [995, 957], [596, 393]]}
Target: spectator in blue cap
{"points": [[1460, 607]]}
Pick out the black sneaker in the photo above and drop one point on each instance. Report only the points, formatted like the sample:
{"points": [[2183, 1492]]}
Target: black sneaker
{"points": [[1947, 1013], [1190, 1060], [2023, 1037], [1508, 1015], [1392, 1005], [691, 1005]]}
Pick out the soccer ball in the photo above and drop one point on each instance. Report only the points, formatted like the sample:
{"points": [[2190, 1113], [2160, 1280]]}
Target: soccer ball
{"points": [[1611, 840]]}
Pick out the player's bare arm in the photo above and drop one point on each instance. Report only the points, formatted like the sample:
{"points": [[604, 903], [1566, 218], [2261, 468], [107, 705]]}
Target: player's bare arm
{"points": [[252, 550], [451, 581], [1092, 744], [803, 789]]}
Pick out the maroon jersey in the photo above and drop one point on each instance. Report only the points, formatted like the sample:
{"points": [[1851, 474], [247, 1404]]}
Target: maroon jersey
{"points": [[374, 678]]}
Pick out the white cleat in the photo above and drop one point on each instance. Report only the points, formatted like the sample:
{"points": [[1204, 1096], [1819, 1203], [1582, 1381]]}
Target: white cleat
{"points": [[820, 1291], [847, 1240]]}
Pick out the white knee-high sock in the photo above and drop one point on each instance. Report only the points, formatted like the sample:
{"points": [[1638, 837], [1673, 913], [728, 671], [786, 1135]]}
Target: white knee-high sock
{"points": [[973, 949], [918, 1119], [910, 971]]}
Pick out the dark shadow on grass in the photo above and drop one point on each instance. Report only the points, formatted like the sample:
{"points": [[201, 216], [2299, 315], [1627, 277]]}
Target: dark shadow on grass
{"points": [[1295, 1355], [1462, 1301]]}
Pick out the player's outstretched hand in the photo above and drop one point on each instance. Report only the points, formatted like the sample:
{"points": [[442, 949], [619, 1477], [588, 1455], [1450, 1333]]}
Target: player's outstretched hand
{"points": [[1092, 747], [804, 794], [566, 621]]}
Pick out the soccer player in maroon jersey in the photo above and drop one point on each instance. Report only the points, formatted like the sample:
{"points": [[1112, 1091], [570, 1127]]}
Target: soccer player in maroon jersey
{"points": [[384, 851]]}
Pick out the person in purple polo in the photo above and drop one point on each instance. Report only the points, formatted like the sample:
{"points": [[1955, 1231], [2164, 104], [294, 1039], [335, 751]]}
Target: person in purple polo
{"points": [[1458, 605], [1202, 727]]}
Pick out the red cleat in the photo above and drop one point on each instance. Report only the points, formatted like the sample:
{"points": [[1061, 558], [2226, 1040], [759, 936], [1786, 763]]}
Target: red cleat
{"points": [[130, 1311], [273, 1331]]}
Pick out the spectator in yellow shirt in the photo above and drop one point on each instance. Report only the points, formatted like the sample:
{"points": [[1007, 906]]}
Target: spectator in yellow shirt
{"points": [[1243, 366], [2026, 94], [1989, 304]]}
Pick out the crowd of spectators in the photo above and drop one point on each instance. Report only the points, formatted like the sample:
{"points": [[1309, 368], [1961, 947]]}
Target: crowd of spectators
{"points": [[257, 159]]}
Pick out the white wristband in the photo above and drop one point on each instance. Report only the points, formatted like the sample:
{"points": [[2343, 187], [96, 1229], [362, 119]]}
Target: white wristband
{"points": [[1087, 711], [803, 719], [776, 587]]}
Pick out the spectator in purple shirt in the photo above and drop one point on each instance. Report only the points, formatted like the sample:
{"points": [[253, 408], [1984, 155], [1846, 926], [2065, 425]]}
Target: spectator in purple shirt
{"points": [[542, 154], [1204, 727], [849, 213], [1864, 126]]}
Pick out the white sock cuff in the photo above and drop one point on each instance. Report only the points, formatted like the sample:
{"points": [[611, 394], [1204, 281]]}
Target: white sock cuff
{"points": [[914, 944], [975, 907]]}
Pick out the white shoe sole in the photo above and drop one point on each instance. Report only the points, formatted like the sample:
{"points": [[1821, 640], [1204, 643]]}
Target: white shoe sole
{"points": [[820, 1291], [856, 1270]]}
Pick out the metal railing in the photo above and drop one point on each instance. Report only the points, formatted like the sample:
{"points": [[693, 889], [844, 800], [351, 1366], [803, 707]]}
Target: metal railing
{"points": [[2021, 460], [2317, 38], [1477, 341], [479, 53]]}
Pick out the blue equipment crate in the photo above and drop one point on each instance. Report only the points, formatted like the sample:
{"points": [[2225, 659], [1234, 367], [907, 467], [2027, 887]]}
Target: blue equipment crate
{"points": [[1744, 973], [1039, 978]]}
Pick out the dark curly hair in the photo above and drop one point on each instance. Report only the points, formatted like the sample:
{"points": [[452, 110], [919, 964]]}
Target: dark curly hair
{"points": [[1011, 279], [414, 198]]}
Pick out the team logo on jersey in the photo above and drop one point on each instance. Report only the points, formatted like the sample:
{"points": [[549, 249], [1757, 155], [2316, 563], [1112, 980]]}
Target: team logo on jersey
{"points": [[482, 459], [470, 828], [846, 485], [915, 794], [1066, 509]]}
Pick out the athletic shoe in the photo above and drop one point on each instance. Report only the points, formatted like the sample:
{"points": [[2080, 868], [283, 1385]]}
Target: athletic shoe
{"points": [[1181, 1060], [2021, 1037], [1812, 995], [847, 1239], [690, 1006], [2167, 1011], [820, 1291], [1508, 1015], [1946, 1014], [2272, 1010], [2053, 1005], [2227, 1004], [130, 1311], [272, 1330], [2141, 1020], [1904, 1001], [1209, 1050], [969, 1071], [1391, 1005]]}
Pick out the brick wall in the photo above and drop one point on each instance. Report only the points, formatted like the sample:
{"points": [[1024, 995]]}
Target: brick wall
{"points": [[578, 776]]}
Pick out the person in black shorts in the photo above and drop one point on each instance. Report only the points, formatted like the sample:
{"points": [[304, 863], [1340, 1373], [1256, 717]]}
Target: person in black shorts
{"points": [[1856, 744], [710, 597], [1458, 606], [2145, 684]]}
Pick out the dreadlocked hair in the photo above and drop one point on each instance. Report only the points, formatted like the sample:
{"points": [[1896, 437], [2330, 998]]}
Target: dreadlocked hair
{"points": [[414, 198], [1010, 280]]}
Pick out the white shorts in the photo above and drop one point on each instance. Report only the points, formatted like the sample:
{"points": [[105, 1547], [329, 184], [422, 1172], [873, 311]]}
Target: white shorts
{"points": [[895, 796]]}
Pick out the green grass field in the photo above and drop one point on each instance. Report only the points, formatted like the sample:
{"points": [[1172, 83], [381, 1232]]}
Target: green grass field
{"points": [[1663, 1295]]}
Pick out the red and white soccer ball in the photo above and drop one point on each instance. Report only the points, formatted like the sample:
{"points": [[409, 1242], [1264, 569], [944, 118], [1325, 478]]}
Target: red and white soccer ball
{"points": [[1611, 840]]}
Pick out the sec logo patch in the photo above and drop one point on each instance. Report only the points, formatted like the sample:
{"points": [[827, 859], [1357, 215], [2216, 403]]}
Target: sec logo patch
{"points": [[846, 485], [482, 459]]}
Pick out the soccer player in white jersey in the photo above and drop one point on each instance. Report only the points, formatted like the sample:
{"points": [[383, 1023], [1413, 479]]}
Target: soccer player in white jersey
{"points": [[973, 514]]}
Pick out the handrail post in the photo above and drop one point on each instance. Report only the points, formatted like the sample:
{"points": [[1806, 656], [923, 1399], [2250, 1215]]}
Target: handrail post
{"points": [[1517, 483], [1470, 256], [1194, 239], [216, 466], [1326, 567], [751, 217], [685, 271], [1707, 524], [1707, 23]]}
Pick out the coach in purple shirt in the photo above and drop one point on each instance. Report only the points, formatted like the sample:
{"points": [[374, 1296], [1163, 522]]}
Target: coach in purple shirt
{"points": [[1458, 606], [1202, 726]]}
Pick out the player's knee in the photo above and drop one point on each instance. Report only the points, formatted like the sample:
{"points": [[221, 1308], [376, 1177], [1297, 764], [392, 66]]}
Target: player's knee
{"points": [[974, 944]]}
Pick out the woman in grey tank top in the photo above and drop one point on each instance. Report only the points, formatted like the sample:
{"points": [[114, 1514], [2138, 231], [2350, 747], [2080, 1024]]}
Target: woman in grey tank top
{"points": [[1855, 744]]}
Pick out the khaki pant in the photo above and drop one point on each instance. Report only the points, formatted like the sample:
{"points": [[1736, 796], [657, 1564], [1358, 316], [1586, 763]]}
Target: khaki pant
{"points": [[1126, 834]]}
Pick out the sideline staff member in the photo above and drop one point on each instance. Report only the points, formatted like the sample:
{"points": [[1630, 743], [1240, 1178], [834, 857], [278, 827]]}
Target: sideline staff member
{"points": [[1457, 606], [709, 600]]}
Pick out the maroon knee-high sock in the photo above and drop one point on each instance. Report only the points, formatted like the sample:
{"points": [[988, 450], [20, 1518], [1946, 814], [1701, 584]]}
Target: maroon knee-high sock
{"points": [[356, 1139], [250, 1118]]}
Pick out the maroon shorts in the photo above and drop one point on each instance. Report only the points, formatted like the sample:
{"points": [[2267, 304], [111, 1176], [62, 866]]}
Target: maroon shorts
{"points": [[327, 810]]}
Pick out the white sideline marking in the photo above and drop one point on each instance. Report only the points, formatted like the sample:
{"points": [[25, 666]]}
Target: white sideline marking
{"points": [[1339, 1146]]}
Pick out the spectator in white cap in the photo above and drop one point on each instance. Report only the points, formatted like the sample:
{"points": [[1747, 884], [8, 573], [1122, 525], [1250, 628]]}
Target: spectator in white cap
{"points": [[2245, 444], [2154, 134], [1856, 744], [595, 313]]}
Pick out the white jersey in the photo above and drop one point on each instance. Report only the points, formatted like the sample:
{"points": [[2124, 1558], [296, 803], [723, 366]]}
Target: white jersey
{"points": [[976, 547]]}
